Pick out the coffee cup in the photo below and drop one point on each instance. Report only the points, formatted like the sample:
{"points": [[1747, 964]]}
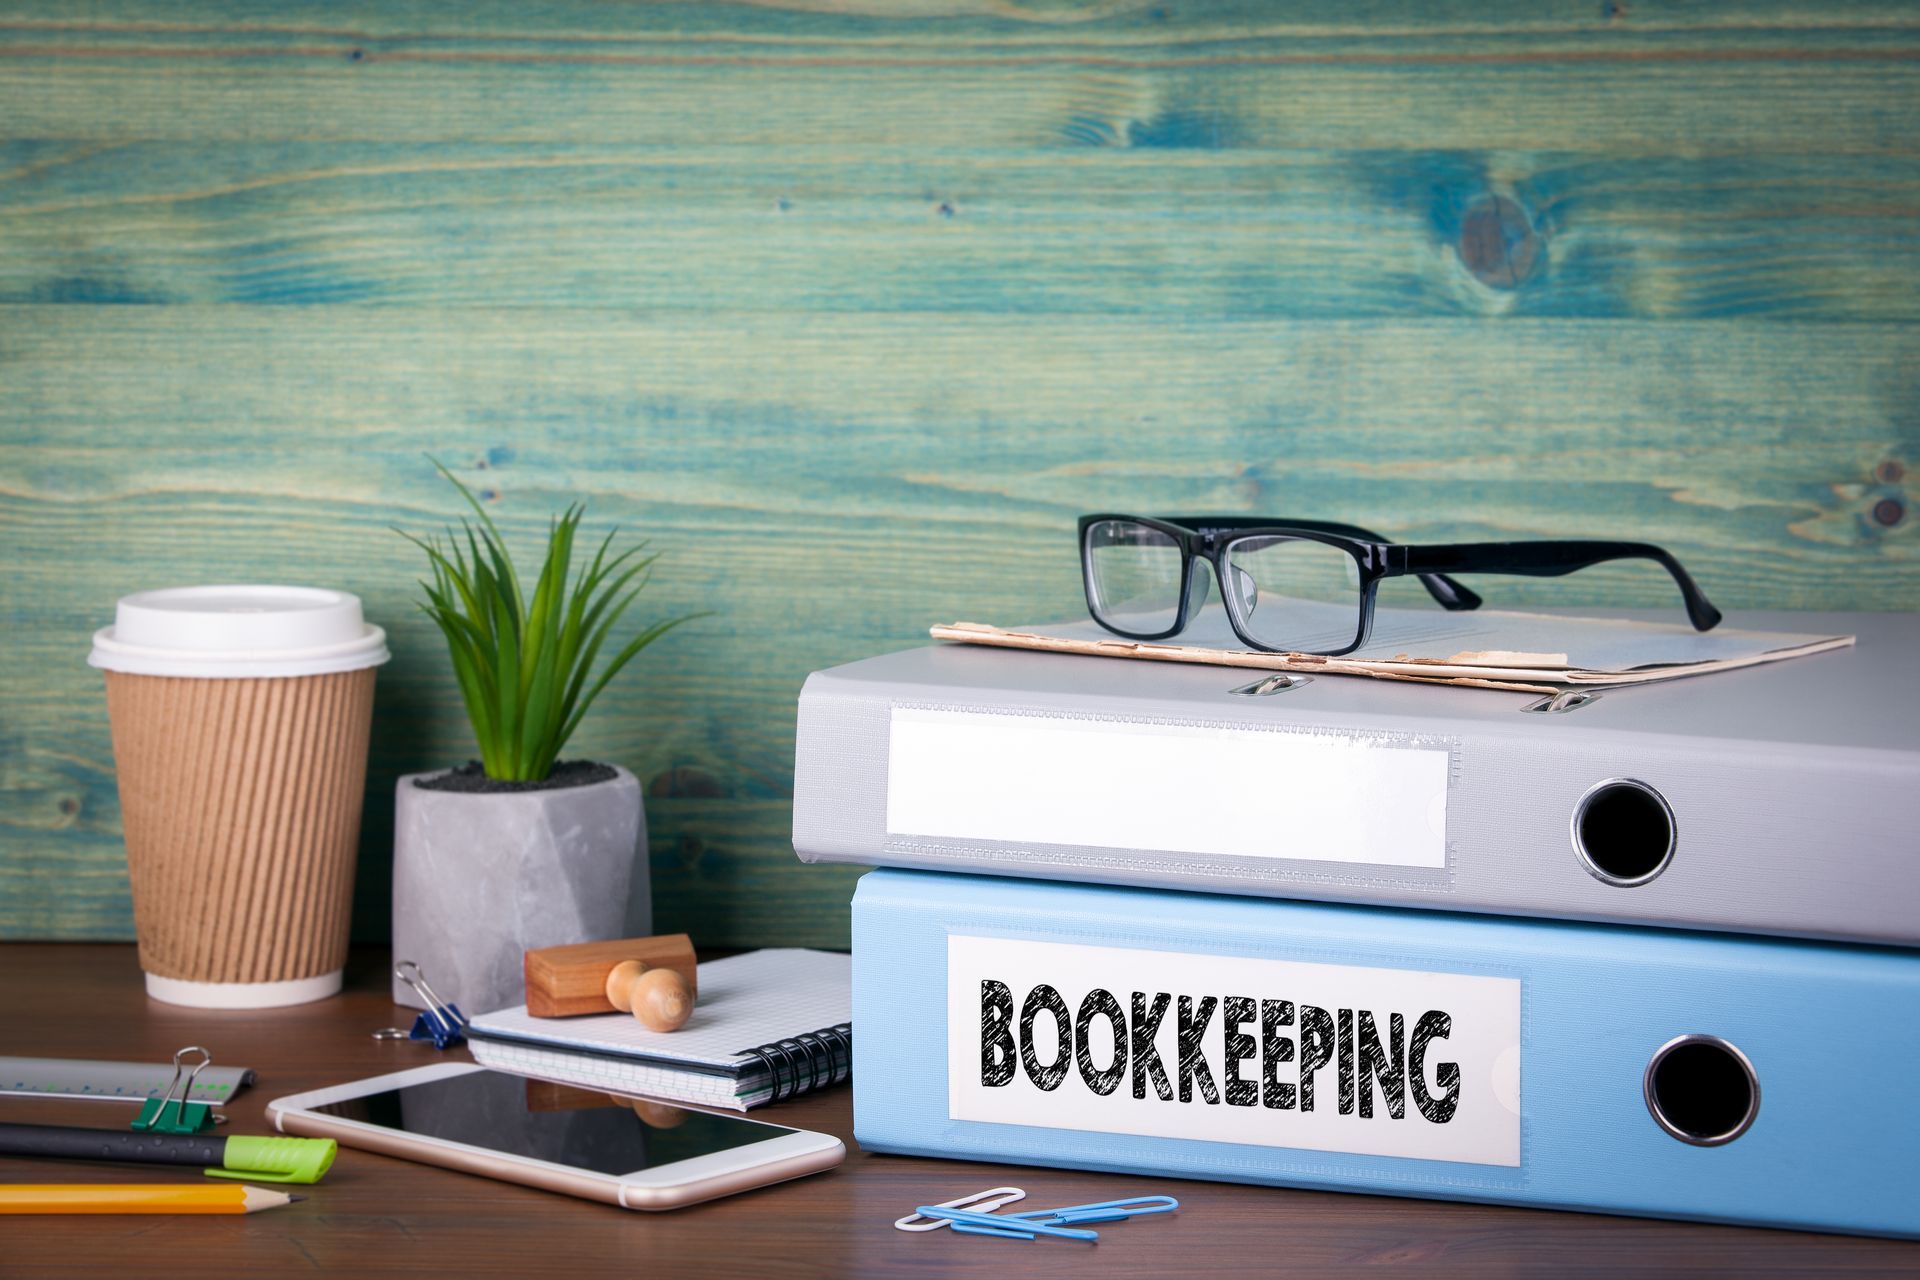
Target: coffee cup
{"points": [[240, 717]]}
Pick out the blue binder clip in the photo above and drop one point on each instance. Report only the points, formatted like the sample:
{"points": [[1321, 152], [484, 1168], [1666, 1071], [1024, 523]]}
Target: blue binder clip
{"points": [[171, 1112], [440, 1022]]}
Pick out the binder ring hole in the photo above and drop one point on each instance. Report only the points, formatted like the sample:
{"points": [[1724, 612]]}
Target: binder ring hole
{"points": [[1702, 1090], [1623, 832]]}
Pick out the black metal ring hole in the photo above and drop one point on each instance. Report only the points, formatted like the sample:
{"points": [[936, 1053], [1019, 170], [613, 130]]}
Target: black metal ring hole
{"points": [[1702, 1091], [1625, 832]]}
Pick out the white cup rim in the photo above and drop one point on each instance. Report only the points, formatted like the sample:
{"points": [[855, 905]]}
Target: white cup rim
{"points": [[238, 631], [109, 654]]}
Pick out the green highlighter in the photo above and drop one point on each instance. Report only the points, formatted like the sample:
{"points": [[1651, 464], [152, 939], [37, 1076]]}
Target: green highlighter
{"points": [[249, 1159], [275, 1159]]}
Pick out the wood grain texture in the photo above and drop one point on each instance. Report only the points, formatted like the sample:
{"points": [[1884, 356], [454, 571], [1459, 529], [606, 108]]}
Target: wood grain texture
{"points": [[376, 1216], [853, 307], [1176, 234]]}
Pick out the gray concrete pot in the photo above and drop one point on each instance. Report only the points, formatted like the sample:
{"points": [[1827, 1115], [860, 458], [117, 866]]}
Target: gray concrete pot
{"points": [[480, 878]]}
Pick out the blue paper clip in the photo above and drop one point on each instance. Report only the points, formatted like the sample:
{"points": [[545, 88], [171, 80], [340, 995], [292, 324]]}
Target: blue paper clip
{"points": [[967, 1222], [440, 1022], [1103, 1211], [1006, 1232]]}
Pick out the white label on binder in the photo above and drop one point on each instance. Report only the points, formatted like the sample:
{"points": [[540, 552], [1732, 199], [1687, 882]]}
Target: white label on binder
{"points": [[1272, 1053], [1115, 784]]}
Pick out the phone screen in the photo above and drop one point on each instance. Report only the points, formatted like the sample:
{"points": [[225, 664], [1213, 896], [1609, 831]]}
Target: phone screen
{"points": [[561, 1124]]}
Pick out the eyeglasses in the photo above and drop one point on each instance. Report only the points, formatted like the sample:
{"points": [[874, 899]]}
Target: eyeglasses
{"points": [[1306, 586]]}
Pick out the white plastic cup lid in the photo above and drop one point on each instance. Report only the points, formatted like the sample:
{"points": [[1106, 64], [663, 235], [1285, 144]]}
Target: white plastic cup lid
{"points": [[238, 632]]}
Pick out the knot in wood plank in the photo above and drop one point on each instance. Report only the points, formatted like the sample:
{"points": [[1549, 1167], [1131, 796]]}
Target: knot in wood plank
{"points": [[1498, 243]]}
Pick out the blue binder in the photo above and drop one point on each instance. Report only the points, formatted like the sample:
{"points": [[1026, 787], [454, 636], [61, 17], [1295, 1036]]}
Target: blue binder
{"points": [[1616, 1070]]}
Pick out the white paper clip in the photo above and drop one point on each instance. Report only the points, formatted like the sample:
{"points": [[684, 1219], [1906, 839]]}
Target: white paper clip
{"points": [[979, 1202]]}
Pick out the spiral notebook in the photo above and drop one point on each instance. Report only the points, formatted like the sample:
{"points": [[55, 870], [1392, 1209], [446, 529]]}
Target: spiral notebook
{"points": [[769, 1025]]}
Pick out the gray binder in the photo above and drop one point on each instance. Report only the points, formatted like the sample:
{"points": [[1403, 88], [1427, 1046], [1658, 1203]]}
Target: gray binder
{"points": [[1779, 799]]}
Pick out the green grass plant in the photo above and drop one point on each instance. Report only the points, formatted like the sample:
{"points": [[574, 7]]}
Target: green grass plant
{"points": [[525, 667]]}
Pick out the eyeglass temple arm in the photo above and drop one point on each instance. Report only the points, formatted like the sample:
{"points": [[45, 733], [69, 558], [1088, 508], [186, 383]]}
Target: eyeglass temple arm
{"points": [[1549, 560], [1450, 595]]}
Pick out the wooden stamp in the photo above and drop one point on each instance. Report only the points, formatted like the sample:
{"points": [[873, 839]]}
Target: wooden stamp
{"points": [[655, 979]]}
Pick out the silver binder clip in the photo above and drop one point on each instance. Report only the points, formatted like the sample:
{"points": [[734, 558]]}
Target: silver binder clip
{"points": [[1266, 686], [1563, 701]]}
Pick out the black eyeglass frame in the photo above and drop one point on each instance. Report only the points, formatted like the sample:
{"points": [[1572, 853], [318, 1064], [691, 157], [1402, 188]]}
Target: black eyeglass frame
{"points": [[1210, 538]]}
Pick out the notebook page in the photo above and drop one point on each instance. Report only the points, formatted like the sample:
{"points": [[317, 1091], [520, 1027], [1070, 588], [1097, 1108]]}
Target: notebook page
{"points": [[672, 1084], [743, 1001]]}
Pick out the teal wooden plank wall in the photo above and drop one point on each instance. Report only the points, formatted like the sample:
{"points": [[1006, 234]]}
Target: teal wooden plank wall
{"points": [[852, 307]]}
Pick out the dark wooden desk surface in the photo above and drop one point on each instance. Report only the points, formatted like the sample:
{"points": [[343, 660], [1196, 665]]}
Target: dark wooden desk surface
{"points": [[374, 1215]]}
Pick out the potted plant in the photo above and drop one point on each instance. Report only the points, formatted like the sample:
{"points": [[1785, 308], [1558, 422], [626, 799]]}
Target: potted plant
{"points": [[520, 848]]}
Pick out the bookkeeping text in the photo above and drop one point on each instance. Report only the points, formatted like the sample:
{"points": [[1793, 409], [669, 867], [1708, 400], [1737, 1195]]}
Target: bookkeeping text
{"points": [[1269, 1053]]}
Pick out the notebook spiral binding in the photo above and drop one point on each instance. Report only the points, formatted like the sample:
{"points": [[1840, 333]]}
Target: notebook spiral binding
{"points": [[811, 1060]]}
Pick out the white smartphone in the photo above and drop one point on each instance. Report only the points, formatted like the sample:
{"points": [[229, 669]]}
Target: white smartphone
{"points": [[633, 1152]]}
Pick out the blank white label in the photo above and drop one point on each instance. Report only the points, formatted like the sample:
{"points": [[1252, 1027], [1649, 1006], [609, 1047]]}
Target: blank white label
{"points": [[1249, 793], [1277, 1053]]}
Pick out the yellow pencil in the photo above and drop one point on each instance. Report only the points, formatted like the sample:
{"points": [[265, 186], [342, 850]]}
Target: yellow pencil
{"points": [[138, 1198]]}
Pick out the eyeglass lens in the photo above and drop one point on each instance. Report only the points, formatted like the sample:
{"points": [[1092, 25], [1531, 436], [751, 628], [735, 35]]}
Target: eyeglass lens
{"points": [[1133, 576], [1294, 593]]}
